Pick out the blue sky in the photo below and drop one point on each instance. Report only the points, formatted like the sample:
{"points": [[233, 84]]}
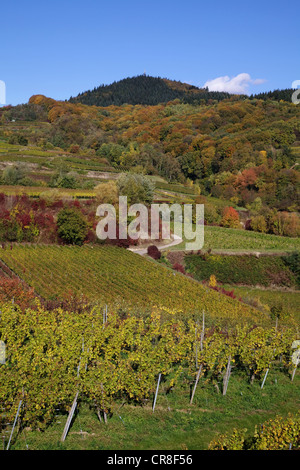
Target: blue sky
{"points": [[61, 48]]}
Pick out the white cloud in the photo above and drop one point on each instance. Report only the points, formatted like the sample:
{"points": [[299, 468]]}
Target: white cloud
{"points": [[239, 84]]}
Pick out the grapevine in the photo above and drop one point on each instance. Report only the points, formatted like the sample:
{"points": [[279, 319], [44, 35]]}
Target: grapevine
{"points": [[51, 354]]}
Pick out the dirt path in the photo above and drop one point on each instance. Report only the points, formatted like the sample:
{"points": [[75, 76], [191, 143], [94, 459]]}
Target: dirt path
{"points": [[143, 250], [177, 240], [248, 252]]}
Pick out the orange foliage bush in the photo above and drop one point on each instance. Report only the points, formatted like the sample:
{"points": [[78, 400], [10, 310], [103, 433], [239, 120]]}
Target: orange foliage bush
{"points": [[230, 218]]}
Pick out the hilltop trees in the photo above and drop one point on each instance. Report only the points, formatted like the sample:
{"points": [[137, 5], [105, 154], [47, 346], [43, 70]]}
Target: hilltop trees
{"points": [[259, 224], [191, 165]]}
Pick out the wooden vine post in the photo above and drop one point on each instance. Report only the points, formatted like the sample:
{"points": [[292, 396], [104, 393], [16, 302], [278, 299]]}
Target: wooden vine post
{"points": [[74, 405], [14, 425], [200, 368], [196, 383], [157, 387], [70, 417], [227, 375]]}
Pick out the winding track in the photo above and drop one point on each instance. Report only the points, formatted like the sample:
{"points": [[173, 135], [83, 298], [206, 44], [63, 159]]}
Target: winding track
{"points": [[143, 251]]}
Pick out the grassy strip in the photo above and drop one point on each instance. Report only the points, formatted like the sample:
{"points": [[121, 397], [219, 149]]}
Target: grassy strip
{"points": [[35, 191], [12, 157], [233, 240]]}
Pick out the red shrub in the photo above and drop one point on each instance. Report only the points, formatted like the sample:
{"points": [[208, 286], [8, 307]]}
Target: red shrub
{"points": [[229, 293], [38, 204], [154, 252], [57, 204], [4, 214], [24, 219], [15, 290], [91, 237], [178, 267], [76, 203], [123, 243]]}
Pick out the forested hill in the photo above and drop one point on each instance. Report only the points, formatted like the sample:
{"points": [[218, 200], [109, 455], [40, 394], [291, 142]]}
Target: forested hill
{"points": [[146, 90], [275, 95], [240, 150]]}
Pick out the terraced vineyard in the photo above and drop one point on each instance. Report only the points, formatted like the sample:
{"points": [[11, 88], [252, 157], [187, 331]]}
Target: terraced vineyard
{"points": [[50, 158], [36, 191], [111, 274], [40, 164]]}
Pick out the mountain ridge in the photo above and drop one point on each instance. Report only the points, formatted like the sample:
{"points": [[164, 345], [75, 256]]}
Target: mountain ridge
{"points": [[151, 91], [146, 90]]}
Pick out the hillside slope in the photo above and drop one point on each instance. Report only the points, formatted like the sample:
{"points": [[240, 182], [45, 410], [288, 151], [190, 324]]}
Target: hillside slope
{"points": [[235, 150], [111, 274]]}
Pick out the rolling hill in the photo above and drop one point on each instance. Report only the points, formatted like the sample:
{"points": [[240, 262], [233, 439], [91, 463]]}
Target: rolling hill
{"points": [[234, 149], [147, 90], [110, 274]]}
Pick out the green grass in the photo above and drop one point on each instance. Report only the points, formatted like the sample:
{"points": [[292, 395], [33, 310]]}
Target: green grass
{"points": [[175, 424], [256, 274], [232, 240]]}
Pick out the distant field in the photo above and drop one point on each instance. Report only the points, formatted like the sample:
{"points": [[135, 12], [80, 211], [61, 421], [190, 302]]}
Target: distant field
{"points": [[52, 159], [231, 240], [35, 191], [259, 281], [179, 188], [246, 269], [107, 274]]}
